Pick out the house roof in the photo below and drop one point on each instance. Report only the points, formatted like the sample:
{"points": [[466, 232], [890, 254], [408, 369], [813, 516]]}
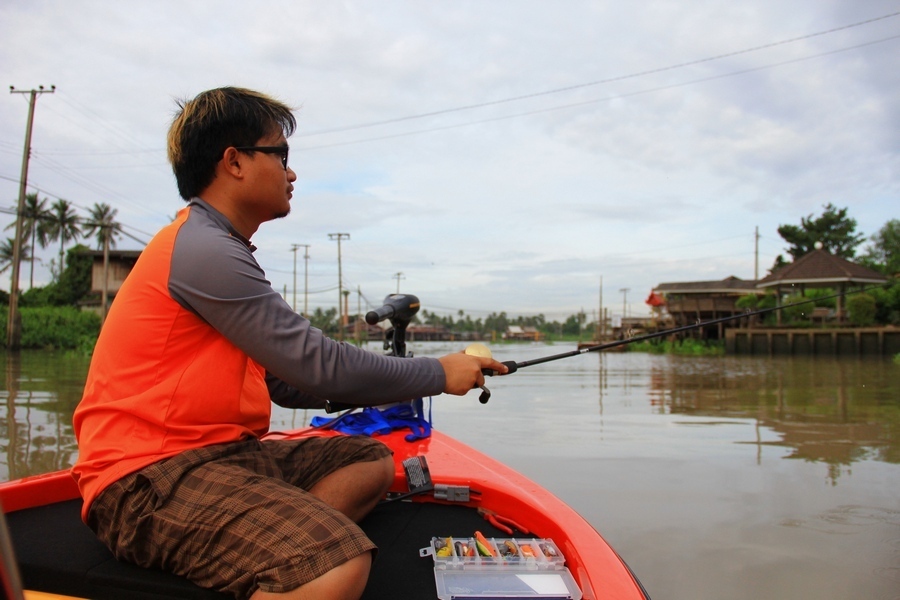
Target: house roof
{"points": [[819, 267], [729, 285]]}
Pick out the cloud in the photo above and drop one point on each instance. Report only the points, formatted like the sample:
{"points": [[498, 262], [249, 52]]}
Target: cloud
{"points": [[661, 173]]}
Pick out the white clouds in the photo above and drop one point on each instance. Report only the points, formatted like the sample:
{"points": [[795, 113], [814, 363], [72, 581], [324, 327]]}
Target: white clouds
{"points": [[493, 213]]}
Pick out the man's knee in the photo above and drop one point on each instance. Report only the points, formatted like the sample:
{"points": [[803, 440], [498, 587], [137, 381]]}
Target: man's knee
{"points": [[386, 465], [347, 581]]}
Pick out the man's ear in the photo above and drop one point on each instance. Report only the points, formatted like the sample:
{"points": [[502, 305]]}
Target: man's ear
{"points": [[232, 163]]}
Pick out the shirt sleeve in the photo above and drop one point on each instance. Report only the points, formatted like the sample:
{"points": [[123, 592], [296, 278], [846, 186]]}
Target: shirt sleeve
{"points": [[214, 275]]}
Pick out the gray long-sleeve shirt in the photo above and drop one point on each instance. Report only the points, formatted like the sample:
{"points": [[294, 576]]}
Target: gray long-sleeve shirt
{"points": [[215, 276]]}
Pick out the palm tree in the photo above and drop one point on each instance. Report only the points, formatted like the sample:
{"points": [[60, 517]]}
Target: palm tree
{"points": [[6, 253], [102, 221], [34, 212], [63, 225]]}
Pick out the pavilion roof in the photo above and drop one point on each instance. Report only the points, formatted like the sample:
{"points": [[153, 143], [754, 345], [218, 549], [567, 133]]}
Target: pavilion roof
{"points": [[821, 268]]}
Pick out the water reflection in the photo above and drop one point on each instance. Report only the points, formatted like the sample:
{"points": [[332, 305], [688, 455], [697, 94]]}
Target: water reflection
{"points": [[833, 411], [39, 394]]}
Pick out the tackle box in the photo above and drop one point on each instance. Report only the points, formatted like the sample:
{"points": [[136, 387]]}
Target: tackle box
{"points": [[519, 568]]}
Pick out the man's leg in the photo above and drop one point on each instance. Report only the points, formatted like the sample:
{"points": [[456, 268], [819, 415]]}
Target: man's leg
{"points": [[344, 582], [229, 525], [356, 489], [349, 473]]}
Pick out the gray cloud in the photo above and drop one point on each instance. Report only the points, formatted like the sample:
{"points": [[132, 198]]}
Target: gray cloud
{"points": [[647, 178]]}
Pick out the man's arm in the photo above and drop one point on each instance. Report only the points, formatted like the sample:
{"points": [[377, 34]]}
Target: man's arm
{"points": [[288, 396], [214, 275]]}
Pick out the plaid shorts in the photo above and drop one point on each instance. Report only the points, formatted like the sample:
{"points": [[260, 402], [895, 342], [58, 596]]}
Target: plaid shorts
{"points": [[235, 517]]}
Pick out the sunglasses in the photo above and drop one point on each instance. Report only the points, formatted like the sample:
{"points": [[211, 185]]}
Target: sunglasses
{"points": [[282, 150]]}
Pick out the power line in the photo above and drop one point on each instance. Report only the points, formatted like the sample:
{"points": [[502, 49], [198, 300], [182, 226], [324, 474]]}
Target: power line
{"points": [[39, 190], [594, 83], [596, 100]]}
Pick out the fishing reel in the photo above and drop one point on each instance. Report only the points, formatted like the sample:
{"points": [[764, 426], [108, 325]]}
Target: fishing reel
{"points": [[479, 349]]}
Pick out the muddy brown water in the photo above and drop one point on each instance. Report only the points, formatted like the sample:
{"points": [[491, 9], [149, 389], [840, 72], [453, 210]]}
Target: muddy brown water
{"points": [[713, 477]]}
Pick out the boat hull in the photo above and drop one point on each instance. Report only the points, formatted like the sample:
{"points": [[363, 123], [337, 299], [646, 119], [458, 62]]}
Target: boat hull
{"points": [[492, 487]]}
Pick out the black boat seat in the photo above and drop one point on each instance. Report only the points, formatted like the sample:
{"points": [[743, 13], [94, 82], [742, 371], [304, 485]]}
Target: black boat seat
{"points": [[57, 553]]}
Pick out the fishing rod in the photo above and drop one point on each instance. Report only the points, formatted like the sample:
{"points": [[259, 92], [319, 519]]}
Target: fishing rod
{"points": [[401, 308], [514, 366]]}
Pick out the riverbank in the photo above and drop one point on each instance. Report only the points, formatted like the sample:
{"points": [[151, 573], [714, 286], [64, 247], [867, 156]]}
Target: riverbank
{"points": [[833, 341]]}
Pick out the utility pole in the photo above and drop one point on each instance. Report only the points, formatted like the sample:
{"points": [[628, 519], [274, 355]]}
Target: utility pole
{"points": [[624, 304], [398, 276], [339, 237], [601, 326], [294, 248], [13, 329], [756, 255], [358, 322]]}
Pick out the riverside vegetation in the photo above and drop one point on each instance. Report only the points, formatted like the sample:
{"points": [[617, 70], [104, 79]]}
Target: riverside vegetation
{"points": [[51, 316]]}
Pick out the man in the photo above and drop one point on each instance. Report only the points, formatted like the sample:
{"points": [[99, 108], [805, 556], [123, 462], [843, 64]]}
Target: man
{"points": [[195, 347]]}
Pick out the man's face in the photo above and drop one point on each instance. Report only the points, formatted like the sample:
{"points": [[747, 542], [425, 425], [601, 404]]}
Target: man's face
{"points": [[271, 182]]}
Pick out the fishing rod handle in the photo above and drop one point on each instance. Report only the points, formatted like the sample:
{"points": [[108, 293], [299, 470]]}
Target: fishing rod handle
{"points": [[512, 365]]}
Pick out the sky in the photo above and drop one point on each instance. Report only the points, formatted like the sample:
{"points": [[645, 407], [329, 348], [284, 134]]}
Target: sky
{"points": [[528, 157]]}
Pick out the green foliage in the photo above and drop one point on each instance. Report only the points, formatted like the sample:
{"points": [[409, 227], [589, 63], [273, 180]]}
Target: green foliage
{"points": [[822, 297], [75, 281], [684, 347], [56, 327], [73, 284], [862, 309], [884, 253], [574, 324], [767, 301], [326, 320], [887, 303], [750, 301], [834, 230], [796, 313]]}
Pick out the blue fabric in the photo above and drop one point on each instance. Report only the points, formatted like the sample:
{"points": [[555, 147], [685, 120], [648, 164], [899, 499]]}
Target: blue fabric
{"points": [[374, 421]]}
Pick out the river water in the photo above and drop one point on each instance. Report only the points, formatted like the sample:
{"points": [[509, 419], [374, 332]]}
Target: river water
{"points": [[714, 477]]}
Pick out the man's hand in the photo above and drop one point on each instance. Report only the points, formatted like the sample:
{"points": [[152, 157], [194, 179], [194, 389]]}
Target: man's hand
{"points": [[463, 371]]}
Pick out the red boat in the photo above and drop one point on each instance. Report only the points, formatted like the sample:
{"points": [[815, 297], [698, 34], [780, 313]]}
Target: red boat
{"points": [[467, 492], [532, 544]]}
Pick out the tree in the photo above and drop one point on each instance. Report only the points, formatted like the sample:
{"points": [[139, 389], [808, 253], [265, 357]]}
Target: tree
{"points": [[834, 230], [75, 280], [63, 225], [884, 252], [495, 322], [326, 320], [34, 213], [6, 253], [101, 222], [574, 323]]}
